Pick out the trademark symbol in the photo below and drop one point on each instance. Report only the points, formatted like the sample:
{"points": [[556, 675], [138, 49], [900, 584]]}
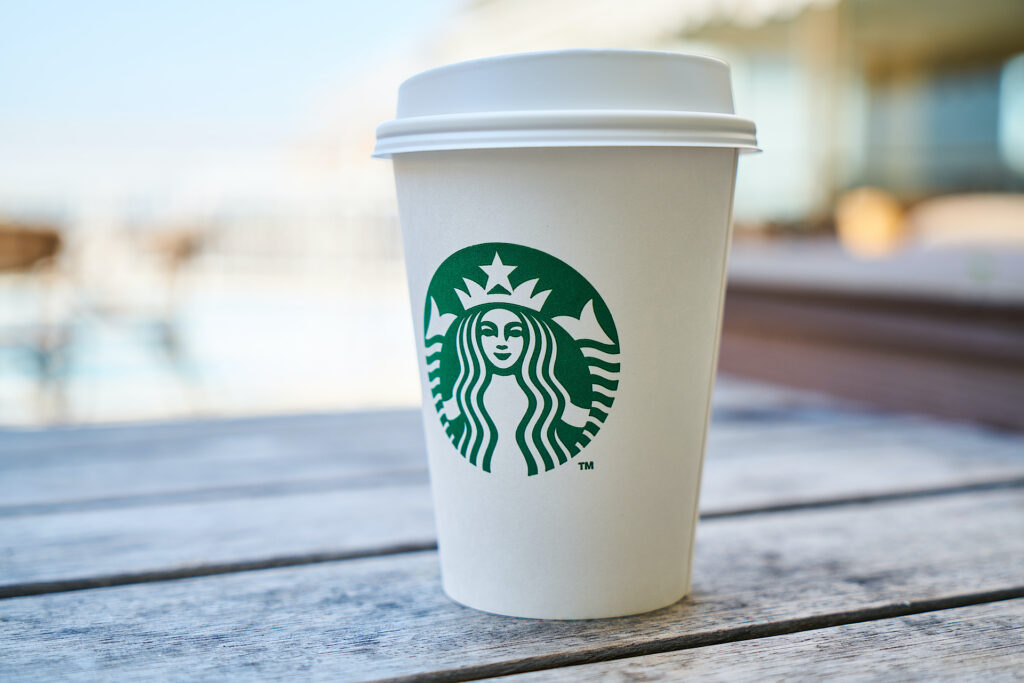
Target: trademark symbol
{"points": [[587, 465]]}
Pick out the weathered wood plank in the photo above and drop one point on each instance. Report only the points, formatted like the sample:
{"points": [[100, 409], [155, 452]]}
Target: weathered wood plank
{"points": [[325, 455], [61, 440], [730, 394], [92, 462], [316, 449], [174, 534], [366, 619], [888, 455], [96, 468], [981, 642], [175, 537]]}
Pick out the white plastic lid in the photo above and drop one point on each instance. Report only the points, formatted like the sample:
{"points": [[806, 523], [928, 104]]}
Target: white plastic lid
{"points": [[568, 98]]}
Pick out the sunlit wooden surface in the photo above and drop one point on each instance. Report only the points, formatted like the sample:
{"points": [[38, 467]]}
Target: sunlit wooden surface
{"points": [[835, 541]]}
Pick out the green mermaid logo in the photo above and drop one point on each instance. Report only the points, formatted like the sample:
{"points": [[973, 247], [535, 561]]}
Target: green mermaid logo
{"points": [[522, 357]]}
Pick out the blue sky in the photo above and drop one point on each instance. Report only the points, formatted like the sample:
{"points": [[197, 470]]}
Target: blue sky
{"points": [[129, 72]]}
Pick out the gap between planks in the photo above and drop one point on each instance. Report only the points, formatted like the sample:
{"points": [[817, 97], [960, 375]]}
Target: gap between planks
{"points": [[26, 589], [974, 642], [728, 635]]}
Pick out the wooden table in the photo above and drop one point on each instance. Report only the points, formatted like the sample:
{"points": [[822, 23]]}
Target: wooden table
{"points": [[833, 541]]}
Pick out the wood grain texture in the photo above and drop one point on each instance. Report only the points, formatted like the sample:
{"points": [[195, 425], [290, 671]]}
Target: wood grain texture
{"points": [[328, 453], [748, 468], [204, 456], [981, 642], [59, 441], [372, 618], [172, 538]]}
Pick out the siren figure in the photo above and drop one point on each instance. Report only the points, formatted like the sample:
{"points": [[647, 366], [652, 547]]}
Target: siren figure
{"points": [[503, 338]]}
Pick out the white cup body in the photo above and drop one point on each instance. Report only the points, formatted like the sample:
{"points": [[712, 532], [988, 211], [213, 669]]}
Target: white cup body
{"points": [[649, 229]]}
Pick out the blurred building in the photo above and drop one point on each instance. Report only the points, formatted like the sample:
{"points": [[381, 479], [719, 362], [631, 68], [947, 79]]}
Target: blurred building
{"points": [[920, 97], [920, 101]]}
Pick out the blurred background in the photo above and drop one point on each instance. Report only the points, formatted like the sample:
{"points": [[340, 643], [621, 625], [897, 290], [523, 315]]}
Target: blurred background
{"points": [[191, 224]]}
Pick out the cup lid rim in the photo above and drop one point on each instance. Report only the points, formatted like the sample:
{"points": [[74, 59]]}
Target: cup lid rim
{"points": [[568, 98], [592, 128]]}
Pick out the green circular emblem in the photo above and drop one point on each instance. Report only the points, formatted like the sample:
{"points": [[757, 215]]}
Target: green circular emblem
{"points": [[522, 357]]}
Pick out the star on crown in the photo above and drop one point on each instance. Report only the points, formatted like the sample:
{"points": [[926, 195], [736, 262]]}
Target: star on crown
{"points": [[499, 290]]}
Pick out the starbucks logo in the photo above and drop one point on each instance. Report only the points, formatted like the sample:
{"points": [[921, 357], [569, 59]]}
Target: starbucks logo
{"points": [[522, 357]]}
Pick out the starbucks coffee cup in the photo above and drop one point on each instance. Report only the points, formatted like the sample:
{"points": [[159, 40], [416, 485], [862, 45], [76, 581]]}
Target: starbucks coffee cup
{"points": [[566, 220]]}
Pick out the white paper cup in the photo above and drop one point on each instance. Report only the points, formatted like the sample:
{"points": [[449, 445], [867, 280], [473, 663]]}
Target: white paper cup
{"points": [[567, 302]]}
